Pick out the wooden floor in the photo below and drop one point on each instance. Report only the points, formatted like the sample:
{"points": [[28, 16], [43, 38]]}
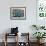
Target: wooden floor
{"points": [[13, 44]]}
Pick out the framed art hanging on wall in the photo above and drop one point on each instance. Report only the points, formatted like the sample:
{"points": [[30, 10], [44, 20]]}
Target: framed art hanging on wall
{"points": [[41, 12], [17, 13]]}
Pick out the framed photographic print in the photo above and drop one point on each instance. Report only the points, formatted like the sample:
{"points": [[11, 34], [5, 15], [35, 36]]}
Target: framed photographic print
{"points": [[41, 12], [18, 13], [41, 8]]}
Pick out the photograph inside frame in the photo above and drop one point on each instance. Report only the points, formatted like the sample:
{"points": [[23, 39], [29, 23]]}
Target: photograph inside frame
{"points": [[18, 13]]}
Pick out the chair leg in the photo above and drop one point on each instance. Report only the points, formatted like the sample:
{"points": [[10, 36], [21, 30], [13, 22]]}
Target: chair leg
{"points": [[5, 43]]}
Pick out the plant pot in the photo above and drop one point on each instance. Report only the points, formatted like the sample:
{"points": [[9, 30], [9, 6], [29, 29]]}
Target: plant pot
{"points": [[40, 41]]}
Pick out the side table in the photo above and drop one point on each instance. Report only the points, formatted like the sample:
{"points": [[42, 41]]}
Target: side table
{"points": [[8, 34]]}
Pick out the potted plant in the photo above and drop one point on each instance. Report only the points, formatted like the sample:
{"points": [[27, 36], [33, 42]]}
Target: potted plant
{"points": [[42, 27], [35, 26], [39, 35], [38, 27]]}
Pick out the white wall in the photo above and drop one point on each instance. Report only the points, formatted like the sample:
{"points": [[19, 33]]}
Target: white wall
{"points": [[24, 25]]}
